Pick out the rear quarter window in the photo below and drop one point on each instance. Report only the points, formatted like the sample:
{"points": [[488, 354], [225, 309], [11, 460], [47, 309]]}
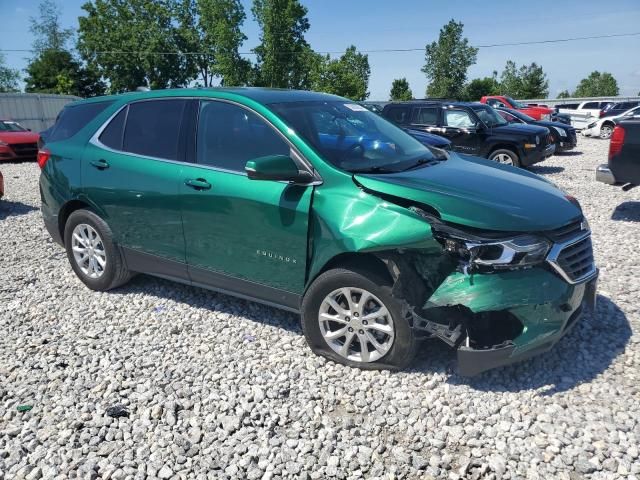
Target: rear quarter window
{"points": [[73, 118]]}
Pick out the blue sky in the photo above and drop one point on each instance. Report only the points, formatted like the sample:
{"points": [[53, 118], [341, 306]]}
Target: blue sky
{"points": [[378, 24]]}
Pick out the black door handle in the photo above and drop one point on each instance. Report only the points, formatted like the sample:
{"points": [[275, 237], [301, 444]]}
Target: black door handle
{"points": [[100, 164], [197, 183]]}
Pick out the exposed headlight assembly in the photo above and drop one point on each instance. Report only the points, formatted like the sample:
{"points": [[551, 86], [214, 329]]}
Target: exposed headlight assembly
{"points": [[561, 131], [517, 252]]}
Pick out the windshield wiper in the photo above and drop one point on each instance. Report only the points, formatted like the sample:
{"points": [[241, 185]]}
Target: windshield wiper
{"points": [[372, 170], [424, 161]]}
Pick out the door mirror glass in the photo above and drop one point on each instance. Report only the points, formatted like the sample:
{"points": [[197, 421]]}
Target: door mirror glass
{"points": [[276, 167]]}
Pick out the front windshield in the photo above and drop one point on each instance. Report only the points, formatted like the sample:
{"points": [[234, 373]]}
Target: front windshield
{"points": [[11, 127], [489, 116], [353, 138], [515, 103]]}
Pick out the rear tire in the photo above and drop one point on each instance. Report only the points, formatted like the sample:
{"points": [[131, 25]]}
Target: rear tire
{"points": [[93, 255], [505, 157], [388, 337]]}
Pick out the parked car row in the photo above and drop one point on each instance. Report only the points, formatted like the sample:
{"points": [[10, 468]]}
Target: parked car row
{"points": [[312, 203], [474, 129]]}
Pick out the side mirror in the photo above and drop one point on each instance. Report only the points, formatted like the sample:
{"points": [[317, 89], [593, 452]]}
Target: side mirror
{"points": [[276, 167]]}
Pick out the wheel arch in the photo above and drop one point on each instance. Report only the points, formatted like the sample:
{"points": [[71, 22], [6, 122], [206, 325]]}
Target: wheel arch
{"points": [[67, 209]]}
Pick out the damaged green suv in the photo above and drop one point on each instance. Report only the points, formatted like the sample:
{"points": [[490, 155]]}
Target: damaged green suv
{"points": [[311, 203]]}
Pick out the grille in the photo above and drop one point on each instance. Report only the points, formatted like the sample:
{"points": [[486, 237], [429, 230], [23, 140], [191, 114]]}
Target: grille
{"points": [[563, 234], [576, 260], [25, 149]]}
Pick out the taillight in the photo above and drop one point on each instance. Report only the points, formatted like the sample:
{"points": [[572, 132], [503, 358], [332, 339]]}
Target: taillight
{"points": [[617, 139], [43, 157]]}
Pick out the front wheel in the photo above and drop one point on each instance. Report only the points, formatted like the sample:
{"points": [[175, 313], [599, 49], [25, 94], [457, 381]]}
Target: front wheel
{"points": [[606, 131], [351, 318], [506, 157]]}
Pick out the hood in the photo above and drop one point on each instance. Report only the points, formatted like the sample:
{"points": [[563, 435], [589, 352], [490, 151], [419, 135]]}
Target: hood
{"points": [[19, 137], [520, 129], [542, 110], [544, 123], [428, 138], [479, 193]]}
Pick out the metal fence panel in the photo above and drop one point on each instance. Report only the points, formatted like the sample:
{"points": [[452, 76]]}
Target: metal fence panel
{"points": [[36, 111]]}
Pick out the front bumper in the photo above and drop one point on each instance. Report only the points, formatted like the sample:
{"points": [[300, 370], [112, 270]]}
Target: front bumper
{"points": [[605, 175], [545, 305], [14, 153], [538, 155], [590, 132]]}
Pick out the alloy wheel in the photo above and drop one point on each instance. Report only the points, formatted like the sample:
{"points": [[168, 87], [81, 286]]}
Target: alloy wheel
{"points": [[606, 131], [503, 158], [356, 324], [88, 250]]}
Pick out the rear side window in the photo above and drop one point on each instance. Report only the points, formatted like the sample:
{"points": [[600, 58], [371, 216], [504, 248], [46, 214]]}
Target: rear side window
{"points": [[229, 136], [427, 116], [72, 119], [591, 105], [399, 115], [112, 135], [153, 128]]}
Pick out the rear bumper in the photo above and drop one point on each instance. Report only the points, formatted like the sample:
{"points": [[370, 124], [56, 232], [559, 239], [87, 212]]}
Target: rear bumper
{"points": [[605, 175]]}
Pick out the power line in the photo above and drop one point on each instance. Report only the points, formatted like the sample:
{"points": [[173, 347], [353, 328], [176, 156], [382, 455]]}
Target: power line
{"points": [[382, 50]]}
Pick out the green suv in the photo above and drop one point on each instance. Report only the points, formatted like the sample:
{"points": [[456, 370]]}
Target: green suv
{"points": [[311, 203]]}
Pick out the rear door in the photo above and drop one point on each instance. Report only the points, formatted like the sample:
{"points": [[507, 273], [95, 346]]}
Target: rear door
{"points": [[245, 236], [131, 174], [427, 119]]}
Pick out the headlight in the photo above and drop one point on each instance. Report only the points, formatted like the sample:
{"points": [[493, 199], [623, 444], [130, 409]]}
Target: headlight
{"points": [[520, 251], [561, 131]]}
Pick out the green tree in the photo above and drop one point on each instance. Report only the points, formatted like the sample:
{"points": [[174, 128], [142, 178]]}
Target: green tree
{"points": [[528, 81], [400, 90], [283, 54], [447, 62], [597, 84], [213, 28], [347, 76], [47, 28], [9, 77], [564, 94], [479, 87], [132, 43]]}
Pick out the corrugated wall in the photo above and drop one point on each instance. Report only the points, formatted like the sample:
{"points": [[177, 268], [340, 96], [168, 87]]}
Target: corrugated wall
{"points": [[36, 111]]}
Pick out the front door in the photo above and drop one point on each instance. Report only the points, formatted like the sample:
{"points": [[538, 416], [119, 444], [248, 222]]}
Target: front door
{"points": [[460, 127], [245, 236], [131, 172]]}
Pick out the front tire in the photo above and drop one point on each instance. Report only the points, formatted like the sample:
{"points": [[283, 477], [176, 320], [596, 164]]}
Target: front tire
{"points": [[505, 157], [606, 131], [351, 318], [93, 255]]}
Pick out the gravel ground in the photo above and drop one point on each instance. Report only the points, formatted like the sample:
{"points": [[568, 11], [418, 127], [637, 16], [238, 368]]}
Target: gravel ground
{"points": [[208, 386]]}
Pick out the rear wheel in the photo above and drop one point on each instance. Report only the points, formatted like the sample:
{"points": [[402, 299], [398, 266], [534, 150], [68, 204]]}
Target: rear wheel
{"points": [[93, 255], [351, 318], [606, 131], [506, 157]]}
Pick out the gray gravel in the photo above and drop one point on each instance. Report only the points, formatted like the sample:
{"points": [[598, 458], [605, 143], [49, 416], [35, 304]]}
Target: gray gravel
{"points": [[201, 385]]}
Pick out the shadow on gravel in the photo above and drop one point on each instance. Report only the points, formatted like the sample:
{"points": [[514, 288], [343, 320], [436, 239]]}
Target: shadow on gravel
{"points": [[14, 209], [586, 352], [571, 153], [542, 169], [627, 212], [209, 300]]}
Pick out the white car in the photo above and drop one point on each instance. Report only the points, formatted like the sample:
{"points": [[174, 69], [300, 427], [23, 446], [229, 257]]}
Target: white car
{"points": [[603, 128]]}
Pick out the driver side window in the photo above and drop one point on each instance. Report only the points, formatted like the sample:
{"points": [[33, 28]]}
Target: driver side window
{"points": [[229, 136]]}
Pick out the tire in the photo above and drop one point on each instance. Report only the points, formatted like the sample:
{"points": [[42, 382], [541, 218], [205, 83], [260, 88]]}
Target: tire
{"points": [[503, 153], [401, 350], [114, 272], [606, 130]]}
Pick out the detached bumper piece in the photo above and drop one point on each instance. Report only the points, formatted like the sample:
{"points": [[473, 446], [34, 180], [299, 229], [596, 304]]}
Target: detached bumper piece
{"points": [[604, 175]]}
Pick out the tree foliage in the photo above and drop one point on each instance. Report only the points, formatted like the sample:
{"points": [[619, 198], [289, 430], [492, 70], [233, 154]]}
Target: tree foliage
{"points": [[283, 55], [400, 90], [597, 84], [133, 43], [447, 62], [9, 77], [564, 94], [213, 29], [347, 76], [528, 81], [479, 87], [47, 29]]}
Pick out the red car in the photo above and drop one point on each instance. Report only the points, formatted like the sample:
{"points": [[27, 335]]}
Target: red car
{"points": [[17, 142], [535, 111]]}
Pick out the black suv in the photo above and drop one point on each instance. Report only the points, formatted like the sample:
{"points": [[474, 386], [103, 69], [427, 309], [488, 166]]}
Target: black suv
{"points": [[475, 129]]}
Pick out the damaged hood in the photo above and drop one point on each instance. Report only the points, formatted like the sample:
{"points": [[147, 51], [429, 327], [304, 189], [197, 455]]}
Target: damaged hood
{"points": [[481, 194]]}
